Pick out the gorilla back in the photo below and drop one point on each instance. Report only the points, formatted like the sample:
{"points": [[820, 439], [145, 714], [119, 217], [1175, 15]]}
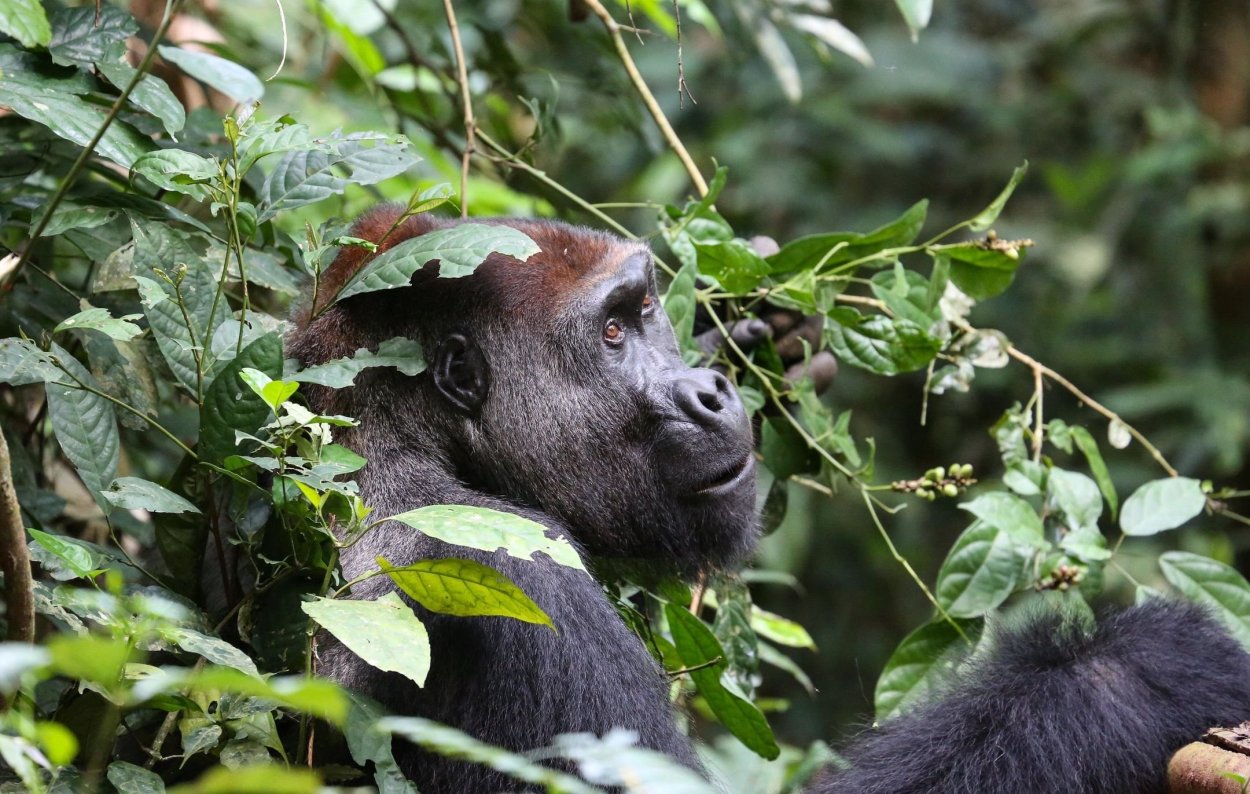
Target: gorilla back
{"points": [[555, 390]]}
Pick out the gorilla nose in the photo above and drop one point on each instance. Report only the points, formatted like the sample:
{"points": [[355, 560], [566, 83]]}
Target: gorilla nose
{"points": [[708, 398]]}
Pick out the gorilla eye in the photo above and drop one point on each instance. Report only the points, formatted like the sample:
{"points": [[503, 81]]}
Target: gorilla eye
{"points": [[612, 332]]}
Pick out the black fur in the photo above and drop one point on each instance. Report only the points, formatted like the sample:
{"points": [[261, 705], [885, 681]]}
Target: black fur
{"points": [[526, 408], [1056, 709]]}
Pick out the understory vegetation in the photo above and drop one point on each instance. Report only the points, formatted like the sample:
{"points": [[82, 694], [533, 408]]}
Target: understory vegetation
{"points": [[174, 179]]}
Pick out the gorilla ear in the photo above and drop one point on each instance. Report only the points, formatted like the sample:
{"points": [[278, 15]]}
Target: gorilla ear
{"points": [[460, 373]]}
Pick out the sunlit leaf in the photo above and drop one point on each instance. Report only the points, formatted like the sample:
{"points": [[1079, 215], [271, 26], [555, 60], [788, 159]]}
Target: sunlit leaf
{"points": [[465, 588], [25, 21], [385, 632], [399, 352], [1160, 505], [490, 530], [134, 493]]}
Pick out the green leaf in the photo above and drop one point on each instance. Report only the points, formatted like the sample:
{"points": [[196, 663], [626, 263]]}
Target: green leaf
{"points": [[59, 743], [1097, 466], [916, 13], [780, 630], [459, 250], [266, 778], [85, 426], [986, 217], [21, 363], [1076, 496], [52, 98], [1160, 505], [176, 170], [680, 305], [615, 760], [490, 530], [733, 263], [134, 779], [1010, 514], [81, 36], [980, 272], [785, 452], [833, 33], [226, 76], [465, 588], [70, 215], [315, 696], [77, 557], [1212, 584], [133, 493], [102, 320], [230, 406], [385, 633], [920, 665], [273, 392], [214, 649], [447, 741], [151, 94], [368, 744], [980, 572], [25, 21], [698, 647], [179, 343], [89, 657], [880, 344], [399, 352], [306, 176], [835, 248]]}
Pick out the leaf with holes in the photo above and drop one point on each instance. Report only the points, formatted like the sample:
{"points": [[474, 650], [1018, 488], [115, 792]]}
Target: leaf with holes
{"points": [[490, 530], [399, 352], [385, 633], [465, 588], [134, 493], [96, 319], [458, 249]]}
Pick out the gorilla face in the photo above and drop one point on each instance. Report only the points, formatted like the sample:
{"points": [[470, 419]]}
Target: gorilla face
{"points": [[599, 422]]}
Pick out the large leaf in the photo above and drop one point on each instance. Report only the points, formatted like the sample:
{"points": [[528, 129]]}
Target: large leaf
{"points": [[96, 319], [1161, 505], [1214, 585], [402, 353], [226, 76], [490, 530], [702, 653], [385, 633], [465, 588], [879, 344], [25, 21], [179, 342], [176, 170], [921, 663], [83, 35], [85, 426], [733, 263], [458, 249], [980, 571], [22, 363], [134, 493], [230, 406], [150, 94], [214, 649], [52, 98], [835, 248], [1011, 514], [447, 741], [307, 176]]}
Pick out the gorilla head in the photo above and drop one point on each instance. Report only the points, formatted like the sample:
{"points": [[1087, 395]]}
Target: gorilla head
{"points": [[555, 384]]}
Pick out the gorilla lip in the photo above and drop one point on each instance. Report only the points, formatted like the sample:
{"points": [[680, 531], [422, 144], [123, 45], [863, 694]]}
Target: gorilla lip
{"points": [[730, 479]]}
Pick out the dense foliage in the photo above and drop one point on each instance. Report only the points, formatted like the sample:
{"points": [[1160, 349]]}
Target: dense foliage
{"points": [[162, 208]]}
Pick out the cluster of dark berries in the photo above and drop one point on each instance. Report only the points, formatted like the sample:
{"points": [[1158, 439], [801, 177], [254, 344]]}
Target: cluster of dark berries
{"points": [[1062, 578]]}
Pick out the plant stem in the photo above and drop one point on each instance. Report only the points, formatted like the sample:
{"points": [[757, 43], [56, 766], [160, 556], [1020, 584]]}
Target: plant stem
{"points": [[63, 189], [466, 98], [648, 98], [19, 598]]}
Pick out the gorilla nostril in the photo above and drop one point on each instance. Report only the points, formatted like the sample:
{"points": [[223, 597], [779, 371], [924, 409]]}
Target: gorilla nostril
{"points": [[711, 402]]}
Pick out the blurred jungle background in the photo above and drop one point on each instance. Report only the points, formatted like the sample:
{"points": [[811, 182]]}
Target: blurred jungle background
{"points": [[1133, 115]]}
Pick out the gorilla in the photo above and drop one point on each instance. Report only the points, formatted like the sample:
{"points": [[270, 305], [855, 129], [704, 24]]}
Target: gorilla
{"points": [[556, 391]]}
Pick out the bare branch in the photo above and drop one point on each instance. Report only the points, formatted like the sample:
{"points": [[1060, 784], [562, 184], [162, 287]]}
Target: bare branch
{"points": [[470, 126], [19, 598]]}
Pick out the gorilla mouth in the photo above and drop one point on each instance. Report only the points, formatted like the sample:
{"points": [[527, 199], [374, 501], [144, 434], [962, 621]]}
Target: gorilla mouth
{"points": [[729, 479]]}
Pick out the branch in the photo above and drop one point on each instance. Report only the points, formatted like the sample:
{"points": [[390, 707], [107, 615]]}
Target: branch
{"points": [[62, 189], [648, 98], [470, 126], [19, 597]]}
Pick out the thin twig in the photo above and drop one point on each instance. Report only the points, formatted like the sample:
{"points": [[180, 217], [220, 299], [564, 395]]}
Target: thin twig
{"points": [[683, 90], [470, 126], [63, 189], [1038, 366], [648, 98], [19, 597], [1039, 427]]}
